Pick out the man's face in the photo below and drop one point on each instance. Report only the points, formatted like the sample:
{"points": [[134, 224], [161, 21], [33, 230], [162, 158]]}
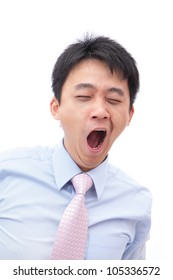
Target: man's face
{"points": [[93, 112]]}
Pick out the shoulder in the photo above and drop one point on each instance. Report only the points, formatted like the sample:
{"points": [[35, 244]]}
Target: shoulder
{"points": [[24, 153], [127, 184], [25, 163]]}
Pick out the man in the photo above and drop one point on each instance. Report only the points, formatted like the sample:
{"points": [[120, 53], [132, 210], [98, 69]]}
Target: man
{"points": [[95, 82]]}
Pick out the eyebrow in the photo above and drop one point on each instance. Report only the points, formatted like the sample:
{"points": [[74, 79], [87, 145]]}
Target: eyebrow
{"points": [[91, 86], [84, 85], [116, 90]]}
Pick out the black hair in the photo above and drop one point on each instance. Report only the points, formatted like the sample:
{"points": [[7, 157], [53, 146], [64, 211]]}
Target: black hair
{"points": [[101, 48]]}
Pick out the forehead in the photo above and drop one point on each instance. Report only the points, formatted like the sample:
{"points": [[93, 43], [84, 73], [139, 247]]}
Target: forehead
{"points": [[95, 72], [89, 63]]}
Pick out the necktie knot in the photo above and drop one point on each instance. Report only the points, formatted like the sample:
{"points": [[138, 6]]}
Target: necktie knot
{"points": [[82, 183]]}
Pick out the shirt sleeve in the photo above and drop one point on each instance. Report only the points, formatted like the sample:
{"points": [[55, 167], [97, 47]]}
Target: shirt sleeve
{"points": [[136, 250]]}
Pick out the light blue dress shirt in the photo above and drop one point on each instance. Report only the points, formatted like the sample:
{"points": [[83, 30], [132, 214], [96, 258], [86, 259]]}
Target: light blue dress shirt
{"points": [[35, 189]]}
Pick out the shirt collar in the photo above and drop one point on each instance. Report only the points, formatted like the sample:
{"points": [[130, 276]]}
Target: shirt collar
{"points": [[65, 168]]}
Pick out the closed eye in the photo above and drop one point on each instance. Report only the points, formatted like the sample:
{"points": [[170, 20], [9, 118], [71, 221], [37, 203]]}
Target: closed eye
{"points": [[113, 101], [83, 97]]}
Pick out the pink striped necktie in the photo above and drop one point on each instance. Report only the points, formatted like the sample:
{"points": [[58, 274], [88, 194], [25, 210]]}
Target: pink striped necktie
{"points": [[71, 238]]}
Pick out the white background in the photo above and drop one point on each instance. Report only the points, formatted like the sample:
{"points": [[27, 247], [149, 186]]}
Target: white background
{"points": [[32, 35]]}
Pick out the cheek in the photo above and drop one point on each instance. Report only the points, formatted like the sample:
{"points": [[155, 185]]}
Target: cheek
{"points": [[120, 119], [65, 122], [70, 125], [119, 124]]}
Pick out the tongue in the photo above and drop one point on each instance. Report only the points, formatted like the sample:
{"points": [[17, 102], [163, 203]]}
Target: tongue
{"points": [[94, 139]]}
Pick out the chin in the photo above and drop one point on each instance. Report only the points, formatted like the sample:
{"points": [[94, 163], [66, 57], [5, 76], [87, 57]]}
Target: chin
{"points": [[91, 164]]}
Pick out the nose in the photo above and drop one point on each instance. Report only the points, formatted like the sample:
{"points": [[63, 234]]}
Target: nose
{"points": [[100, 110]]}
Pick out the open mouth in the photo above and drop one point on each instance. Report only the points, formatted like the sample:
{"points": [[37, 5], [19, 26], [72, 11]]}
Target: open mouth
{"points": [[96, 138]]}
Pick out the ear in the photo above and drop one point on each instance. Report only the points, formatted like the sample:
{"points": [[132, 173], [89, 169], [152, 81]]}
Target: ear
{"points": [[130, 115], [54, 108]]}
